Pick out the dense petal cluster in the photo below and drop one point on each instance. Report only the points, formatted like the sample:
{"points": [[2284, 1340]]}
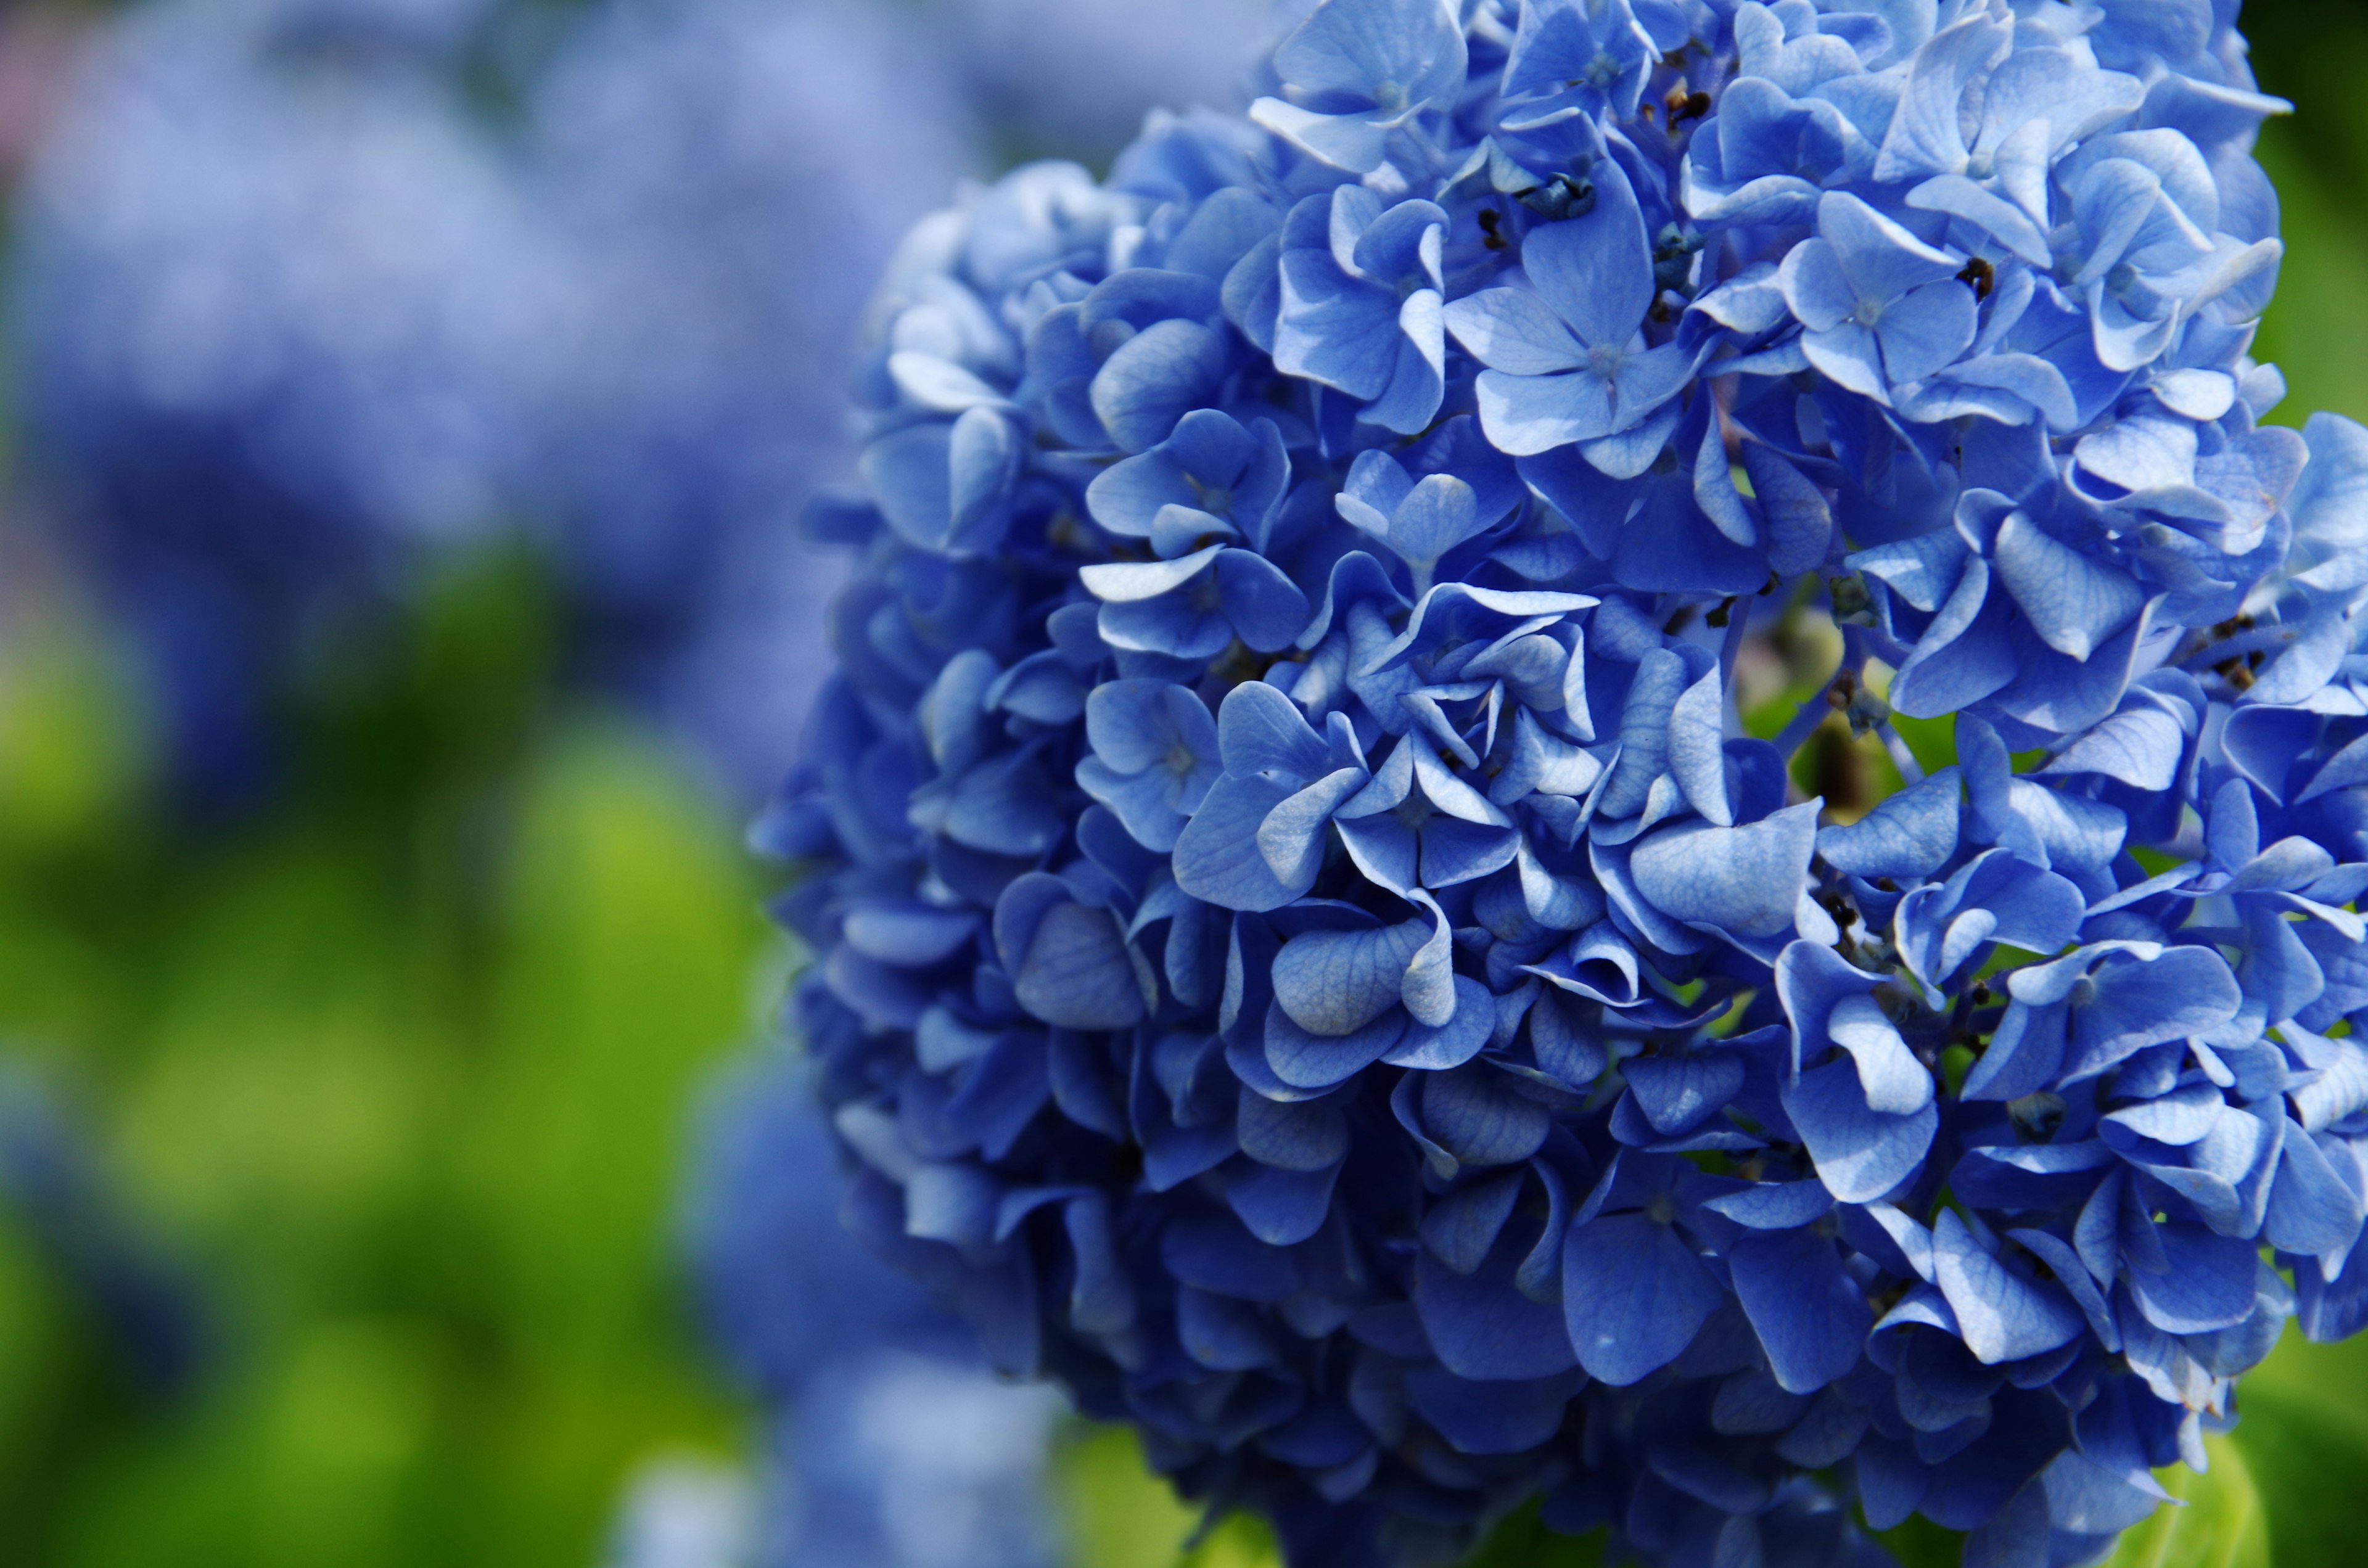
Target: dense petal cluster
{"points": [[1306, 950]]}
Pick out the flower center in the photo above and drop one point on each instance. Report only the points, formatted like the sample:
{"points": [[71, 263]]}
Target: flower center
{"points": [[1217, 500], [1389, 96]]}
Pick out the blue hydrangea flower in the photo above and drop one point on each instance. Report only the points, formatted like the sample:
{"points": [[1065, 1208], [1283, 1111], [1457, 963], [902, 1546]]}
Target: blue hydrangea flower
{"points": [[1307, 948]]}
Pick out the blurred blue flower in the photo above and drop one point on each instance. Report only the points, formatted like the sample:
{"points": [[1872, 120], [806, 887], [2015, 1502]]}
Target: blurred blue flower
{"points": [[274, 299], [1074, 78], [726, 187], [300, 318], [891, 1442]]}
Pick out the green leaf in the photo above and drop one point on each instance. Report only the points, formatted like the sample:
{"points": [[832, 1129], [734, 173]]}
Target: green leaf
{"points": [[2304, 1435], [2222, 1526], [1122, 1515], [1524, 1541], [1920, 1543]]}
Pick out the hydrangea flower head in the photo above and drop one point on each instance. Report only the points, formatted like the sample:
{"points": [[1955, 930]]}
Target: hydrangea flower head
{"points": [[1308, 953]]}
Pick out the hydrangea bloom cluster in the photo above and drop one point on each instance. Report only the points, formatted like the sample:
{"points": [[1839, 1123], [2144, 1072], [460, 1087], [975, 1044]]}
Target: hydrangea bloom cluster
{"points": [[891, 1443], [1306, 952]]}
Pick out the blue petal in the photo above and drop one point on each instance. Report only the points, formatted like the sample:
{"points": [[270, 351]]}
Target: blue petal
{"points": [[1266, 607], [1460, 1227], [1800, 523], [1893, 1081], [1480, 1116], [1451, 1044], [1907, 838], [1260, 731], [1156, 377], [1334, 982], [1136, 724], [2000, 1315], [1292, 838], [1079, 973], [1306, 1060], [1339, 330], [1743, 881], [1222, 1333], [1597, 271], [1633, 1296], [1281, 1207], [1491, 1417], [2313, 1210], [2187, 991], [2019, 1534], [2141, 746], [1698, 747], [1860, 1154], [1810, 1316], [1676, 1094], [1775, 1205], [1439, 513], [1213, 1252], [2075, 602], [1217, 857], [1484, 1328], [1662, 677], [1296, 1135], [1528, 414], [2209, 1283], [1514, 331]]}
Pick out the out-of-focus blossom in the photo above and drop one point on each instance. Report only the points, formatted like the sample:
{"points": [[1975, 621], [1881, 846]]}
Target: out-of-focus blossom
{"points": [[273, 299], [680, 1511], [891, 1443], [726, 180], [1072, 78]]}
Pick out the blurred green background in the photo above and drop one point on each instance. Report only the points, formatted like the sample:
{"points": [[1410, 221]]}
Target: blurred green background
{"points": [[403, 1076]]}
